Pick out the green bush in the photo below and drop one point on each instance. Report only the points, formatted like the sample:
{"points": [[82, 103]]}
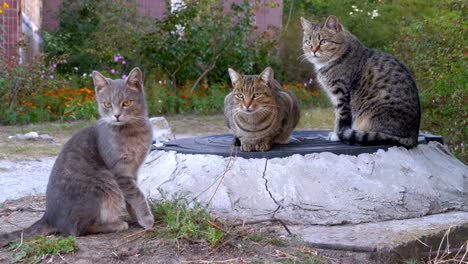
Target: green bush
{"points": [[435, 50]]}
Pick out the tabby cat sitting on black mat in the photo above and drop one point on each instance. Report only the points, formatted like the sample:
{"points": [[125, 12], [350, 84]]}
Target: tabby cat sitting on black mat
{"points": [[375, 96], [259, 111], [95, 175]]}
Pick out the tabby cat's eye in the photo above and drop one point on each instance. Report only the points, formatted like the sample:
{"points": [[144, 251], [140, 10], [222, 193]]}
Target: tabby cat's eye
{"points": [[127, 103], [323, 41], [239, 95], [107, 105], [256, 95]]}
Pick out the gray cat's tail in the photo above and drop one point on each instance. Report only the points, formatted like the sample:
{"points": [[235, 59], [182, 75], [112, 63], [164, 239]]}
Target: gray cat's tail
{"points": [[369, 138], [39, 228]]}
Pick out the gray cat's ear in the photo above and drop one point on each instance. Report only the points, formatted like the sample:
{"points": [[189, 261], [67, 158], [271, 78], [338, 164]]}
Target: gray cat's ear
{"points": [[333, 24], [135, 79], [306, 25], [235, 76], [100, 81], [267, 75]]}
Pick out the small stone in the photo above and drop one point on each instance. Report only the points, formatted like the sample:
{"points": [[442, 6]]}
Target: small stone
{"points": [[161, 130]]}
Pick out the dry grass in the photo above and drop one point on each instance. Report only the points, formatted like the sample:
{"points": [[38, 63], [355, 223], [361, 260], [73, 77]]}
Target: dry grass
{"points": [[30, 150], [182, 125]]}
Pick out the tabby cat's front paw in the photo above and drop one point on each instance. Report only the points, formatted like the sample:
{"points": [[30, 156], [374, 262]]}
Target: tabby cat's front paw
{"points": [[146, 221], [332, 136], [263, 147], [247, 147]]}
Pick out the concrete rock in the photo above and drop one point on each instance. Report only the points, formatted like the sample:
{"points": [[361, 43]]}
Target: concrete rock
{"points": [[31, 136], [161, 129], [324, 188]]}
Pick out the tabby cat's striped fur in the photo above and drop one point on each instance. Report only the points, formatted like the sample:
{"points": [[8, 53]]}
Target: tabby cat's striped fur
{"points": [[259, 111], [375, 96]]}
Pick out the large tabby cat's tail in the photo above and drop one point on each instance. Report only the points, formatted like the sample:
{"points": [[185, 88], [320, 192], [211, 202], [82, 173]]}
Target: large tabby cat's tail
{"points": [[352, 137], [39, 228]]}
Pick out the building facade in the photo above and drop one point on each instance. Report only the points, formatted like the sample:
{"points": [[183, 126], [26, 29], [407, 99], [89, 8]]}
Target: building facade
{"points": [[22, 21]]}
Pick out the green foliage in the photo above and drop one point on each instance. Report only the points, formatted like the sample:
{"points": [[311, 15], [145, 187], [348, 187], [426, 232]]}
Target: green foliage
{"points": [[186, 220], [90, 32], [34, 92], [34, 250], [198, 41], [434, 48]]}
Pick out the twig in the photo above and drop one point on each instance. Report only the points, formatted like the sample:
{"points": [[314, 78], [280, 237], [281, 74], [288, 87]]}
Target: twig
{"points": [[215, 225], [213, 261], [222, 175], [11, 209], [265, 220], [133, 237], [64, 260], [228, 167], [21, 242]]}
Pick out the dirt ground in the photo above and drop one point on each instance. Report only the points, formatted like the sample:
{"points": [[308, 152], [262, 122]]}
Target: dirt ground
{"points": [[271, 244]]}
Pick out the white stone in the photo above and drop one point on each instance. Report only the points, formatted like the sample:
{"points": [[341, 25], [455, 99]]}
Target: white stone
{"points": [[161, 130], [321, 188]]}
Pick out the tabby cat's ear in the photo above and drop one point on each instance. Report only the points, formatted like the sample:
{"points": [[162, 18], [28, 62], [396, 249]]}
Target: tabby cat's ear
{"points": [[267, 75], [235, 76], [135, 79], [333, 24], [306, 25], [100, 82]]}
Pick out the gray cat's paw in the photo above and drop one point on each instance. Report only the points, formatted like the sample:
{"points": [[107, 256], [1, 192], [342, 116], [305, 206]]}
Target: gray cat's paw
{"points": [[122, 226], [332, 136], [146, 221]]}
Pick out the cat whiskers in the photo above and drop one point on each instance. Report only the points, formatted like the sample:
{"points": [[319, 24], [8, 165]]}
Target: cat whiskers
{"points": [[303, 57]]}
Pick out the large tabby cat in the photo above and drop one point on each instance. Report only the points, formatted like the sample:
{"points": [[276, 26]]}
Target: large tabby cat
{"points": [[95, 175], [259, 112], [375, 97]]}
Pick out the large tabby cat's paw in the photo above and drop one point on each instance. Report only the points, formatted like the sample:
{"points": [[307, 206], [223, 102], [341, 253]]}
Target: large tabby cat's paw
{"points": [[146, 221], [332, 136]]}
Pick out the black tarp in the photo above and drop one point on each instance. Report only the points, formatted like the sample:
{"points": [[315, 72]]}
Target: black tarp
{"points": [[301, 142]]}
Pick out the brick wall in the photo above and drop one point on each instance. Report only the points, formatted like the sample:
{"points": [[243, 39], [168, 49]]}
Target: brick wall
{"points": [[10, 20], [49, 14], [152, 8]]}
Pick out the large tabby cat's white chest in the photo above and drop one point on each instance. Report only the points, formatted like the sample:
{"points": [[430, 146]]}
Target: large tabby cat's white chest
{"points": [[324, 85]]}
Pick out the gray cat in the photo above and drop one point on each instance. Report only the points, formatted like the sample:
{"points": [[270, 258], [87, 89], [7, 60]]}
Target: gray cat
{"points": [[95, 175], [259, 111], [375, 96]]}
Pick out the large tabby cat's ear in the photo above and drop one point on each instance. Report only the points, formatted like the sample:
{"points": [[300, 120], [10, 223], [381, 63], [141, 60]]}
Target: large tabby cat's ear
{"points": [[267, 75], [100, 82], [235, 76], [333, 24], [306, 25], [135, 79]]}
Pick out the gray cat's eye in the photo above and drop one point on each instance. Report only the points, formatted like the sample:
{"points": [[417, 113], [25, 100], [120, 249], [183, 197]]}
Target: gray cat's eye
{"points": [[308, 43], [107, 105], [127, 103], [239, 95]]}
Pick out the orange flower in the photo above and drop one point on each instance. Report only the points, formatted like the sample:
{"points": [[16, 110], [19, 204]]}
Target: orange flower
{"points": [[184, 95], [204, 86], [315, 93]]}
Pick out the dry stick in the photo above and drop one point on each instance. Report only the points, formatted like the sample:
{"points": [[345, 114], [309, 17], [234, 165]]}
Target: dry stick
{"points": [[211, 261], [228, 167], [134, 236], [217, 179], [64, 260], [265, 220]]}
